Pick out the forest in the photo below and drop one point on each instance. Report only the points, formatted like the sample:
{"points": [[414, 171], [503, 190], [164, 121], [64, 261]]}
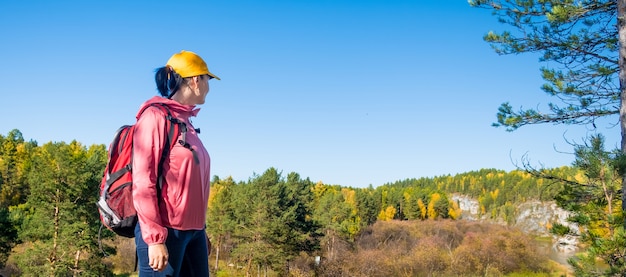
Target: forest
{"points": [[274, 224], [283, 224]]}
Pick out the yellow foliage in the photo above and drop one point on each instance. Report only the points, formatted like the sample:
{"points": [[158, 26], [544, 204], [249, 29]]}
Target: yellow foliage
{"points": [[539, 182], [494, 194], [432, 213], [382, 216], [20, 148], [390, 212], [422, 207], [350, 196], [454, 211], [215, 189], [580, 177], [387, 214], [440, 185], [319, 189]]}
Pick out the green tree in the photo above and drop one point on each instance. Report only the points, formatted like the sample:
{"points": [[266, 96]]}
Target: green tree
{"points": [[251, 211], [368, 205], [592, 198], [15, 163], [295, 208], [582, 37], [586, 40], [338, 218], [601, 184], [61, 221], [274, 221], [220, 219], [438, 206], [8, 236]]}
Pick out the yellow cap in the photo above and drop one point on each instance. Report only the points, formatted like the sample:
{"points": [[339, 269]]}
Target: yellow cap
{"points": [[189, 64]]}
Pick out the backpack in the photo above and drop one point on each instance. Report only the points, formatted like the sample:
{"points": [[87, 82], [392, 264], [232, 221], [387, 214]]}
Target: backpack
{"points": [[115, 204]]}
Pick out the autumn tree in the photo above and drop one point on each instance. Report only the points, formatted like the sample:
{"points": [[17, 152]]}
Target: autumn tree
{"points": [[438, 206]]}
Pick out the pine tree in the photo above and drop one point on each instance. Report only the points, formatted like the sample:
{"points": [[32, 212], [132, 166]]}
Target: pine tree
{"points": [[586, 40], [274, 221], [15, 163], [8, 236], [583, 37], [60, 219], [220, 219]]}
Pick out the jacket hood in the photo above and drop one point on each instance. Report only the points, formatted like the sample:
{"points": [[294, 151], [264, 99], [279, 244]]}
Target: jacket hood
{"points": [[178, 109]]}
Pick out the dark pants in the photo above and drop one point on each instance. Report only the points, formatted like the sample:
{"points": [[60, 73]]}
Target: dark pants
{"points": [[188, 254]]}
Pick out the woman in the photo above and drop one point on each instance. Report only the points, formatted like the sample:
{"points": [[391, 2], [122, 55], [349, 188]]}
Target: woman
{"points": [[170, 237]]}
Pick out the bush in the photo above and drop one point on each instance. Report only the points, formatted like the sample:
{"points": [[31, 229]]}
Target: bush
{"points": [[437, 248]]}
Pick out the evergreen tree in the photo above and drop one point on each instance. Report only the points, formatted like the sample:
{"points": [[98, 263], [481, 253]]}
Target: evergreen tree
{"points": [[61, 222], [274, 221], [220, 219], [8, 236], [593, 198], [339, 219], [15, 163], [297, 232], [368, 205], [582, 36], [587, 41], [585, 38]]}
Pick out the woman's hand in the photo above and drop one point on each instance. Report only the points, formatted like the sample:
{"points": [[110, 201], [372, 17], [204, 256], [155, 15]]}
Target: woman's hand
{"points": [[157, 256]]}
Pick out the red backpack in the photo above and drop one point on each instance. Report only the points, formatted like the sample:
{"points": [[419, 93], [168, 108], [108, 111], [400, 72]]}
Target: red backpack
{"points": [[115, 205]]}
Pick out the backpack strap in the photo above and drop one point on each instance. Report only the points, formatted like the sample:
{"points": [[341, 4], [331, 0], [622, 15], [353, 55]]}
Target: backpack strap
{"points": [[172, 129], [182, 126], [183, 140]]}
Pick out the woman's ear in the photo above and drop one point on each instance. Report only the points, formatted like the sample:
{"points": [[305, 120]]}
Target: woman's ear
{"points": [[195, 80]]}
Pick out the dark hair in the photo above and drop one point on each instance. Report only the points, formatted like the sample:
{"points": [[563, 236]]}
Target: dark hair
{"points": [[167, 81]]}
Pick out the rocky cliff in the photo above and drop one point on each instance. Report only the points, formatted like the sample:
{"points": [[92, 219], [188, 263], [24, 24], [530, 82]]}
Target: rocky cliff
{"points": [[534, 217]]}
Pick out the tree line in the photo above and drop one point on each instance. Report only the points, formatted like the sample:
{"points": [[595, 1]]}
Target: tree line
{"points": [[48, 194]]}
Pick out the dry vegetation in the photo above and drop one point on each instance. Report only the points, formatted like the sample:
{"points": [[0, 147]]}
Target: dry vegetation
{"points": [[439, 248]]}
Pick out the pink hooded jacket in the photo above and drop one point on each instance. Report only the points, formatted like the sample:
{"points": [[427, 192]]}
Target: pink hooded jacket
{"points": [[185, 192]]}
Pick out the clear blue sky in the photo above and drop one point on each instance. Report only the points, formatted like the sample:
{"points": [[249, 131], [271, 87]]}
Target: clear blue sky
{"points": [[344, 92]]}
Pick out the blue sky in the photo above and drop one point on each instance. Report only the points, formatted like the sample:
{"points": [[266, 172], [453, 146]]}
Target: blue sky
{"points": [[344, 92]]}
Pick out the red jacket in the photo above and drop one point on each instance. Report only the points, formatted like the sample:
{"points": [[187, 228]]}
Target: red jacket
{"points": [[185, 192]]}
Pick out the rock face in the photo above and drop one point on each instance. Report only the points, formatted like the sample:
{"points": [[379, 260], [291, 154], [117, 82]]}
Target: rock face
{"points": [[534, 217]]}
